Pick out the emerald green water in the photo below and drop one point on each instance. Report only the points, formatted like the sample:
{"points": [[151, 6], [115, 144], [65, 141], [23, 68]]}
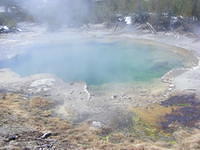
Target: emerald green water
{"points": [[95, 62]]}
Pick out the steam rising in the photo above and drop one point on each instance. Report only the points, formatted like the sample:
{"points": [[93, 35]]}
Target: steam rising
{"points": [[57, 12]]}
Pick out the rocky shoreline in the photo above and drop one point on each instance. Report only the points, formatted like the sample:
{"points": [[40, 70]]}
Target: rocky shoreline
{"points": [[139, 95]]}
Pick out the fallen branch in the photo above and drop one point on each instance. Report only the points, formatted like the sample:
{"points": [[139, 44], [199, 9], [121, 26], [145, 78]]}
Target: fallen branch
{"points": [[153, 30]]}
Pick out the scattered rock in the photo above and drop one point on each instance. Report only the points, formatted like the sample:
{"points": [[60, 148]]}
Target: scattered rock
{"points": [[46, 135], [97, 124], [43, 82], [105, 131], [114, 96], [11, 138], [6, 29], [171, 86]]}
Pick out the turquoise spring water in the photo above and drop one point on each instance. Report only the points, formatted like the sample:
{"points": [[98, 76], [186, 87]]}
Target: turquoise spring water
{"points": [[95, 62]]}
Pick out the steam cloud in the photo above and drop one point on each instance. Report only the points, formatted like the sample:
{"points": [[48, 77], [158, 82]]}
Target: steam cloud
{"points": [[57, 12]]}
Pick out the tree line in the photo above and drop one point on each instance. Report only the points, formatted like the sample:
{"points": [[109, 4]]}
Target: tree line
{"points": [[104, 10], [186, 8]]}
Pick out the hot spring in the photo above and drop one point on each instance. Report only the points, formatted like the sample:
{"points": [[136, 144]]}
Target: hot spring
{"points": [[95, 61]]}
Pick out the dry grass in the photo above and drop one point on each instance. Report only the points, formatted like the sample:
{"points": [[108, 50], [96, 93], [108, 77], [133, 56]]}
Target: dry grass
{"points": [[153, 114], [37, 117]]}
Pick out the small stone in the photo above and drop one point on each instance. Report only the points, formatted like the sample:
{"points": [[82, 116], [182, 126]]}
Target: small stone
{"points": [[72, 83], [11, 138], [172, 86], [170, 89], [165, 95], [97, 124], [114, 97], [46, 135], [4, 97]]}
